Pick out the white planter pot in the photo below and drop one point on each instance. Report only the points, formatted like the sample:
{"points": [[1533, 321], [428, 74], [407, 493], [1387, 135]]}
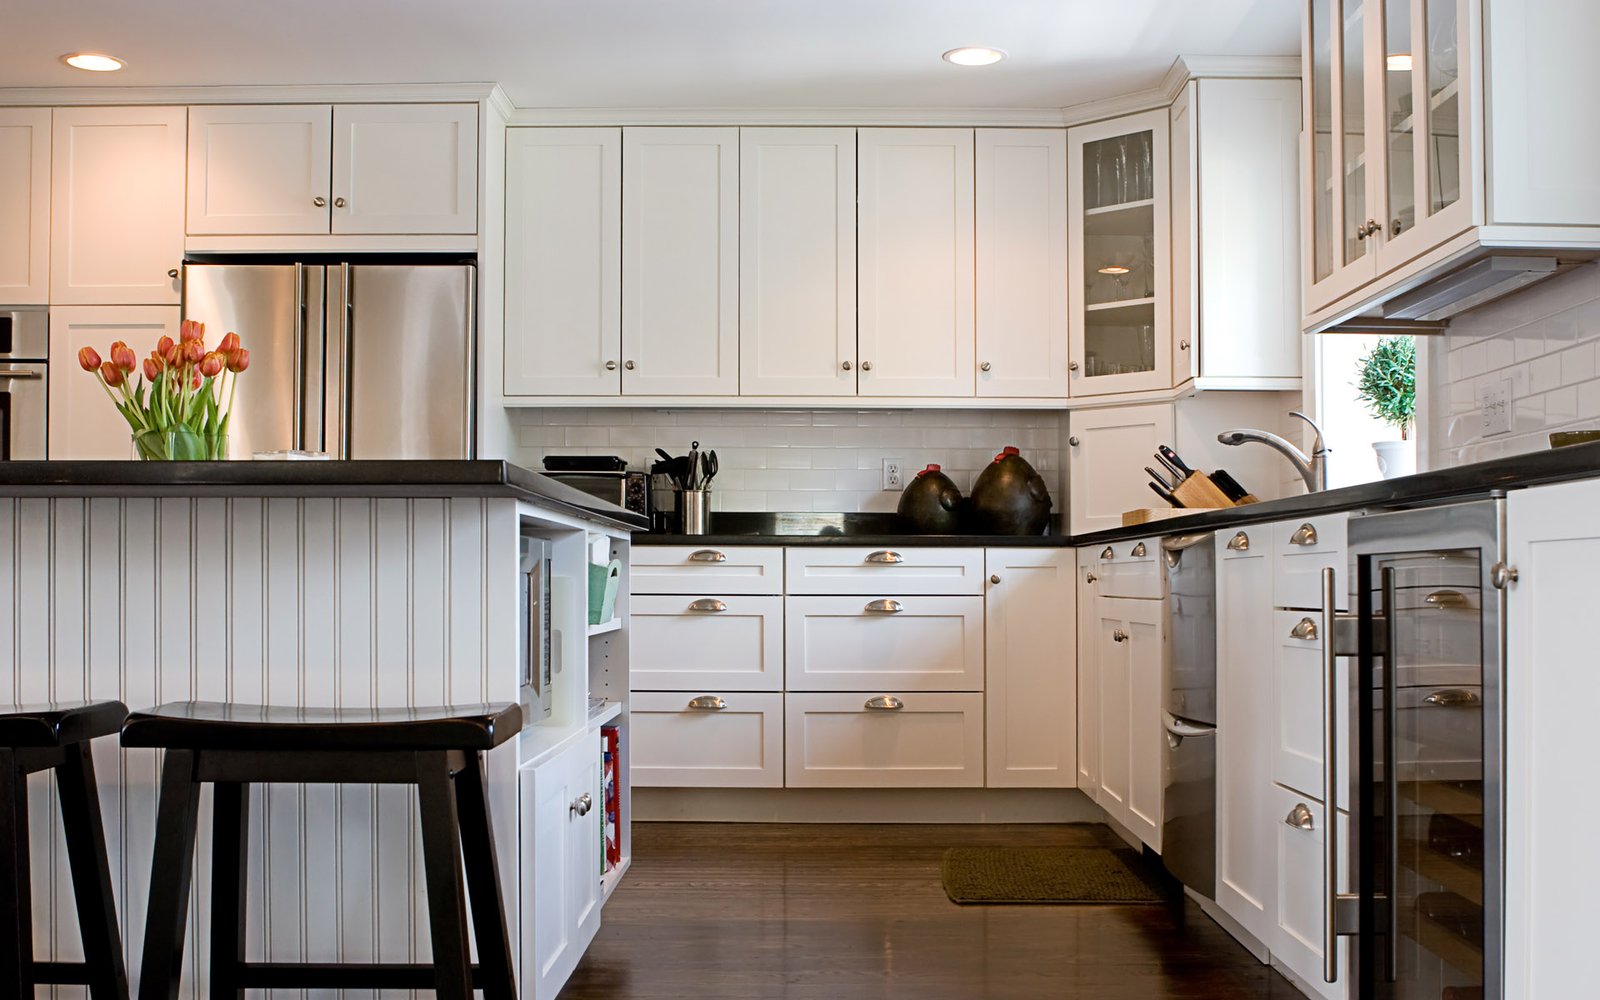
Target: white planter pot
{"points": [[1396, 458]]}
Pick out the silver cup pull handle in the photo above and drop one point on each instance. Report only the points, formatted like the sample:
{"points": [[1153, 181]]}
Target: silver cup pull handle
{"points": [[885, 606], [1452, 698], [707, 703], [1300, 817], [887, 556], [707, 556], [1239, 542], [885, 703], [1306, 534], [707, 604], [1305, 628]]}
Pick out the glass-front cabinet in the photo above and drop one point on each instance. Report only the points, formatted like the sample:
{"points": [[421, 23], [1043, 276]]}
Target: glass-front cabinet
{"points": [[1119, 255], [1387, 183]]}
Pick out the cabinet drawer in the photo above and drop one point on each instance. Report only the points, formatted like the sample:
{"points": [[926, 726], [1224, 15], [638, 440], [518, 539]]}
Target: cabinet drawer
{"points": [[680, 643], [890, 570], [1297, 939], [929, 741], [1303, 549], [1297, 743], [896, 643], [739, 745], [707, 569], [1130, 569]]}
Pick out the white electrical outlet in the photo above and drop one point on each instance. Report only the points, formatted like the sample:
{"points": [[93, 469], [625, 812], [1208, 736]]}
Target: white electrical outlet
{"points": [[893, 478], [1494, 407]]}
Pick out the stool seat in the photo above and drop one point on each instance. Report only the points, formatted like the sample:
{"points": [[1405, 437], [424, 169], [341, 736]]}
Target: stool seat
{"points": [[209, 725], [59, 723]]}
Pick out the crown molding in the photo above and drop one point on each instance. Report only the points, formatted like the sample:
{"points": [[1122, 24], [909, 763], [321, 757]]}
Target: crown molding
{"points": [[500, 104], [1239, 67], [1014, 117], [418, 93]]}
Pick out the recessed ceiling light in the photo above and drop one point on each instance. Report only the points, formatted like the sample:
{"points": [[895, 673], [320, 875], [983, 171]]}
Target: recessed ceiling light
{"points": [[974, 55], [95, 62], [1399, 62], [1116, 269]]}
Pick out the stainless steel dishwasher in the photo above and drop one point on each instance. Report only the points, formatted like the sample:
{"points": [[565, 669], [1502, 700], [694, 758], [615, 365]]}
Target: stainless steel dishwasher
{"points": [[1189, 795]]}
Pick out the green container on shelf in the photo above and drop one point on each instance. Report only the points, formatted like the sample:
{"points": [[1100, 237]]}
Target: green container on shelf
{"points": [[603, 584]]}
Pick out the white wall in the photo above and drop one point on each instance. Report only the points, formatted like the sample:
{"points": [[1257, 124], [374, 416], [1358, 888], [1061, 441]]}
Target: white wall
{"points": [[801, 460], [1544, 340]]}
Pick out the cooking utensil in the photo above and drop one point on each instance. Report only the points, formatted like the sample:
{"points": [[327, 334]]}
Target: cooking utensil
{"points": [[1177, 475], [712, 465], [1170, 482], [1229, 485], [664, 456], [1172, 456], [1166, 495]]}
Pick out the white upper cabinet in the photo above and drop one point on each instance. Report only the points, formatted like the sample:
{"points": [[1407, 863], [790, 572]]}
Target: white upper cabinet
{"points": [[1119, 207], [797, 262], [405, 168], [1021, 212], [680, 261], [916, 269], [563, 323], [1107, 450], [1236, 234], [260, 169], [117, 205], [24, 206]]}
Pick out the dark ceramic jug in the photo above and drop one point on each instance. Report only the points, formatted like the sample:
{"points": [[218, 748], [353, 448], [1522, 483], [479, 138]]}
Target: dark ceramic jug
{"points": [[931, 501], [1010, 498]]}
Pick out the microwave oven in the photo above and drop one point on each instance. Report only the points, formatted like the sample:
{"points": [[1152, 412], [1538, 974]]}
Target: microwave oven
{"points": [[628, 490]]}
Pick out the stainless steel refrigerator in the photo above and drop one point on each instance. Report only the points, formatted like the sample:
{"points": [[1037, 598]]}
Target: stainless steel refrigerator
{"points": [[357, 360]]}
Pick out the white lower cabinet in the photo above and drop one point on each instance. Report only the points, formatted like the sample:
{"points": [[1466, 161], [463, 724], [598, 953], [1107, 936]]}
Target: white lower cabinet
{"points": [[723, 642], [1030, 686], [1304, 548], [699, 570], [561, 804], [1246, 846], [707, 739], [1297, 939], [890, 740], [1130, 641], [897, 643], [1088, 676], [1296, 751]]}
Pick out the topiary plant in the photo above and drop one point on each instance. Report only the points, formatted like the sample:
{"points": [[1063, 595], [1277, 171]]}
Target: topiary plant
{"points": [[1388, 382]]}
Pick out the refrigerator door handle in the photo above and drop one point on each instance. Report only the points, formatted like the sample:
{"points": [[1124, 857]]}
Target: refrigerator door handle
{"points": [[298, 433], [336, 371]]}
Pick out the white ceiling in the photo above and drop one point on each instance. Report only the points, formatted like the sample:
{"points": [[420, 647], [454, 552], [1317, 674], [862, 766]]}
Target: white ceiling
{"points": [[650, 53]]}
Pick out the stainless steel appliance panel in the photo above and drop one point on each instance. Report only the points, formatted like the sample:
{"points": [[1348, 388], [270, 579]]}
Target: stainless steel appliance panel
{"points": [[1191, 568], [25, 334], [1189, 805], [401, 359], [265, 304], [24, 411]]}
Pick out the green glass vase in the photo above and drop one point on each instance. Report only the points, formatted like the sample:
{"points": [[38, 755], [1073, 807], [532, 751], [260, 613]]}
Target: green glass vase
{"points": [[180, 445]]}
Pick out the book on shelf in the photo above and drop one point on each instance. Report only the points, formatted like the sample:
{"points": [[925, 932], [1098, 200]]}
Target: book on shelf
{"points": [[611, 841]]}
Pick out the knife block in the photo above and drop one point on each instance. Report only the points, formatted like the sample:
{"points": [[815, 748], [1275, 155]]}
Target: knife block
{"points": [[1198, 491]]}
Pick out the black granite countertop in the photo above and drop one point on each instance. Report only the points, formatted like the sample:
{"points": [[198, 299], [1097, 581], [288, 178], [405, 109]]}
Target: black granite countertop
{"points": [[402, 478], [1426, 488]]}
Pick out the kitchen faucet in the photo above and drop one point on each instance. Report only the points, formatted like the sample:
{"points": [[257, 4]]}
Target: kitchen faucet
{"points": [[1313, 470]]}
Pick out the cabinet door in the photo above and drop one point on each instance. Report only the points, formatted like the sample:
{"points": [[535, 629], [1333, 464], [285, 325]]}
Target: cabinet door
{"points": [[257, 169], [1107, 452], [914, 231], [405, 168], [892, 642], [712, 643], [1246, 845], [563, 323], [1299, 690], [1088, 676], [706, 739], [116, 196], [1424, 183], [1186, 236], [680, 261], [24, 206], [883, 739], [1116, 707], [1119, 204], [83, 423], [1343, 218], [797, 262], [1298, 825], [1145, 623], [1030, 680], [560, 865], [1021, 194]]}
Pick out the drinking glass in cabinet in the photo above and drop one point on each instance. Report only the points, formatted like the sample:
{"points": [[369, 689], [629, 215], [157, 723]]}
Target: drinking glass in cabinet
{"points": [[1354, 166], [1323, 233], [1400, 118], [1118, 170], [1444, 118]]}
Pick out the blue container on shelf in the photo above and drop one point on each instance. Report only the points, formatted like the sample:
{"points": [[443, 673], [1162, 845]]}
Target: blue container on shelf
{"points": [[603, 584]]}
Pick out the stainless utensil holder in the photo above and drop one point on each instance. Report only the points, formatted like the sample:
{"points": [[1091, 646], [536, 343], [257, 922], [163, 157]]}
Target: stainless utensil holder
{"points": [[694, 507]]}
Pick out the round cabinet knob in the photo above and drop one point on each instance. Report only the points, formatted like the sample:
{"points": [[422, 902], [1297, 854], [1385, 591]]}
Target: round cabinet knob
{"points": [[1183, 345], [172, 272], [994, 578], [866, 366], [338, 203], [1072, 366], [846, 366], [611, 366], [628, 365], [1089, 578], [983, 367], [582, 804], [1395, 227], [1073, 440], [319, 201], [1117, 635]]}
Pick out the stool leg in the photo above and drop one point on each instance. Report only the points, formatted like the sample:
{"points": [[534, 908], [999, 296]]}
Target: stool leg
{"points": [[229, 850], [441, 852], [498, 981], [91, 875], [171, 872], [16, 894]]}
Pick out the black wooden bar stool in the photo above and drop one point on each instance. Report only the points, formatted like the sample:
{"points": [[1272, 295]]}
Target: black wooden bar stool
{"points": [[56, 737], [440, 750]]}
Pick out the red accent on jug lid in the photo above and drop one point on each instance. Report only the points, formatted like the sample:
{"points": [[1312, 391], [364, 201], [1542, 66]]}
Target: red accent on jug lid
{"points": [[931, 468], [1007, 450]]}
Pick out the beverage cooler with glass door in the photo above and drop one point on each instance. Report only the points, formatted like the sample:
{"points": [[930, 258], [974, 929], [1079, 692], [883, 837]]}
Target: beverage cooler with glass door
{"points": [[1426, 641]]}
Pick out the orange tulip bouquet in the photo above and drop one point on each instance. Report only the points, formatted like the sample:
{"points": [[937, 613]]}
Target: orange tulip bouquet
{"points": [[180, 407]]}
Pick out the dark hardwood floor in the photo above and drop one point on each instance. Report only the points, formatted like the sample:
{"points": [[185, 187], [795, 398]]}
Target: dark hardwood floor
{"points": [[807, 912]]}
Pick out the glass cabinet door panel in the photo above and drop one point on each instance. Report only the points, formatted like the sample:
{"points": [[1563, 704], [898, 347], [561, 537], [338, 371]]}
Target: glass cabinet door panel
{"points": [[1443, 71], [1119, 268], [1323, 228], [1399, 118], [1352, 116]]}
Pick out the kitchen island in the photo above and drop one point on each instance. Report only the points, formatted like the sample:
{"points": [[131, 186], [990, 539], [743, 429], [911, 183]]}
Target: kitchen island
{"points": [[354, 584]]}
